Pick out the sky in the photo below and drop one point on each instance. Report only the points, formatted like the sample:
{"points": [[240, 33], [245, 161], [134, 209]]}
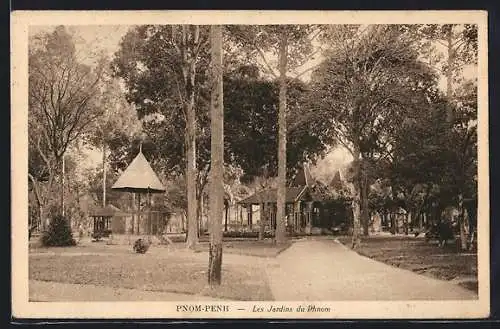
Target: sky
{"points": [[106, 38], [95, 37]]}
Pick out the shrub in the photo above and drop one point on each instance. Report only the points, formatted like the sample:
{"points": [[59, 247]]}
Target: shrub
{"points": [[247, 234], [58, 233], [141, 246]]}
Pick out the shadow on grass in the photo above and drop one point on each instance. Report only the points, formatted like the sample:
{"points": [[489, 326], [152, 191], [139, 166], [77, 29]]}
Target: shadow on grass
{"points": [[263, 248], [421, 257]]}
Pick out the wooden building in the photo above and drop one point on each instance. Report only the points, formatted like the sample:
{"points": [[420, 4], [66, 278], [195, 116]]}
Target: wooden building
{"points": [[311, 207]]}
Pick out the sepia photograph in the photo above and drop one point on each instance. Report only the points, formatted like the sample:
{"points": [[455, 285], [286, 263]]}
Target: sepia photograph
{"points": [[250, 164]]}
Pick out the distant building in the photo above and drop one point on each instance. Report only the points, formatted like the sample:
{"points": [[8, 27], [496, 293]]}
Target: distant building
{"points": [[311, 206]]}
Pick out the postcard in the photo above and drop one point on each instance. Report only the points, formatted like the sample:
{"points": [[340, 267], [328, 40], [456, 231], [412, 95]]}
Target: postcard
{"points": [[250, 164]]}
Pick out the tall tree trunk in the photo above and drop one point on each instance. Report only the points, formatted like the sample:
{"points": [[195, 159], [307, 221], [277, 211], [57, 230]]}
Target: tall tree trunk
{"points": [[365, 214], [103, 174], [41, 214], [392, 220], [189, 41], [462, 222], [216, 158], [226, 208], [183, 224], [280, 212], [407, 221], [472, 220], [449, 72], [39, 200], [356, 200], [199, 209], [63, 174], [192, 216]]}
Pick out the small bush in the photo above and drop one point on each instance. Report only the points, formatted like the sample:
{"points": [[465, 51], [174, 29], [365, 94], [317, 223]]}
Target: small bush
{"points": [[58, 233], [141, 246], [177, 238]]}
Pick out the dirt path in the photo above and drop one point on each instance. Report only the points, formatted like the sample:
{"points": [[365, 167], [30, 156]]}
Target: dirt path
{"points": [[42, 291], [326, 270]]}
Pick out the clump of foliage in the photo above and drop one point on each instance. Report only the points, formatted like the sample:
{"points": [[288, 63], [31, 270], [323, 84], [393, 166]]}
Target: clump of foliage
{"points": [[58, 233], [141, 246]]}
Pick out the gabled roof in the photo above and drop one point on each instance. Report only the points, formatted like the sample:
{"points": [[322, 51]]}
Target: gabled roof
{"points": [[139, 177], [303, 177], [337, 183], [271, 195]]}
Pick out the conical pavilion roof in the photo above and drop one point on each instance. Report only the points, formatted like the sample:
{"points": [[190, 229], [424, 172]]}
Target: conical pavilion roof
{"points": [[139, 177]]}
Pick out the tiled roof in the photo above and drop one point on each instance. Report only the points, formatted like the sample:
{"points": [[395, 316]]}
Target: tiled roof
{"points": [[270, 195], [303, 177]]}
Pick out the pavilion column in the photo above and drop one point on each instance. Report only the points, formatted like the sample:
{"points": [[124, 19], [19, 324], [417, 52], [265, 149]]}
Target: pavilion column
{"points": [[321, 215], [241, 214], [139, 214], [249, 215], [262, 223], [309, 206], [275, 211], [296, 215], [289, 215], [132, 220], [271, 213]]}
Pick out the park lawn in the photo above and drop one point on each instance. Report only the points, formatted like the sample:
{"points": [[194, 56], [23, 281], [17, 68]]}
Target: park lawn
{"points": [[249, 247], [171, 273], [421, 257]]}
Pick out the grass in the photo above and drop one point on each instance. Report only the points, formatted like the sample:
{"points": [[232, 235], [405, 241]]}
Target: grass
{"points": [[171, 269], [421, 257], [264, 248], [237, 246]]}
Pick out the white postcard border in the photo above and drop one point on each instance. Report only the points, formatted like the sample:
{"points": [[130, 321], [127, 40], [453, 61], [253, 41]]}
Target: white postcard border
{"points": [[21, 20]]}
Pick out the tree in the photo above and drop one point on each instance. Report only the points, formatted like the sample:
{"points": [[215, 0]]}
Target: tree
{"points": [[217, 158], [292, 44], [94, 178], [161, 68], [62, 91], [58, 234], [118, 125], [460, 49], [251, 120], [370, 80], [443, 159], [152, 86]]}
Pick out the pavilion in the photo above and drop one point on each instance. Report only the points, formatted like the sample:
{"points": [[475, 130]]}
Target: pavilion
{"points": [[139, 178], [310, 205], [102, 220]]}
